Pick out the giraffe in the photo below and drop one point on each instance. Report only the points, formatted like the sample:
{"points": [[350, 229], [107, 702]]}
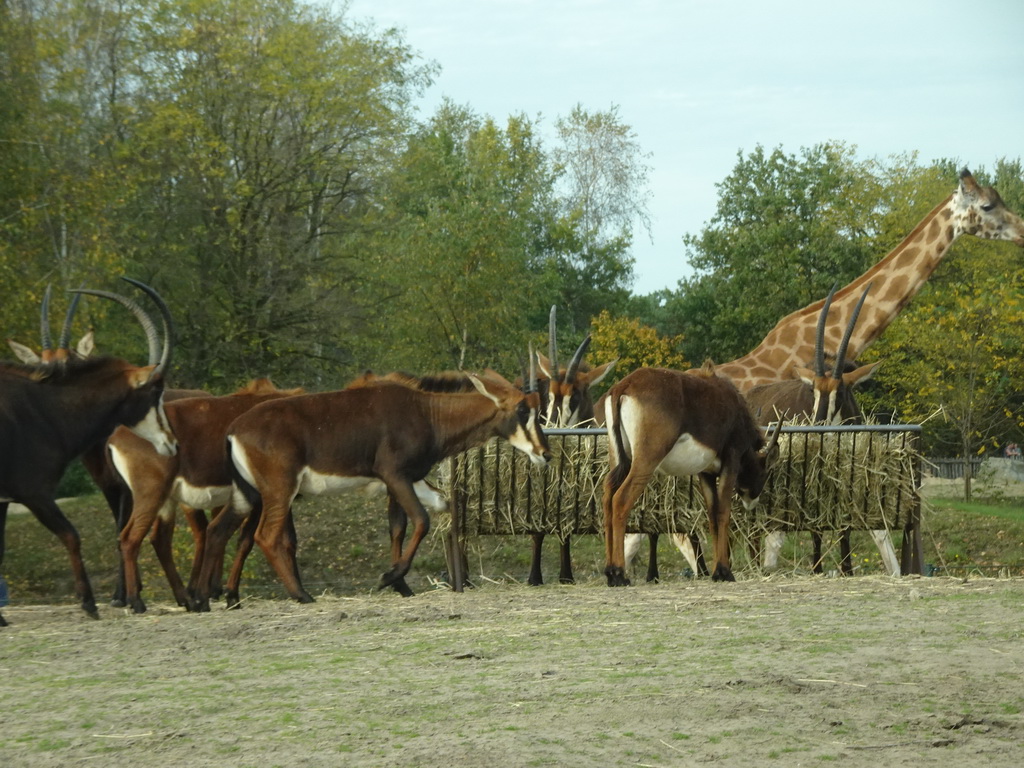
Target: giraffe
{"points": [[896, 278], [970, 210]]}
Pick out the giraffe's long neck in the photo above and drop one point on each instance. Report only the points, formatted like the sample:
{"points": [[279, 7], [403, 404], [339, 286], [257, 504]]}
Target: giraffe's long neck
{"points": [[895, 280]]}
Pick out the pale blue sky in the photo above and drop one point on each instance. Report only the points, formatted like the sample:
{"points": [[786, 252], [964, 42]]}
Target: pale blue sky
{"points": [[700, 81]]}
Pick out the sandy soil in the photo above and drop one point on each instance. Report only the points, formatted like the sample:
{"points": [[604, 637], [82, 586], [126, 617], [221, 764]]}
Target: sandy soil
{"points": [[784, 671]]}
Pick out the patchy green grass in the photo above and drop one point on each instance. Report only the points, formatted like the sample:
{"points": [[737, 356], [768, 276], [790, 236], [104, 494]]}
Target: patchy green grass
{"points": [[343, 549]]}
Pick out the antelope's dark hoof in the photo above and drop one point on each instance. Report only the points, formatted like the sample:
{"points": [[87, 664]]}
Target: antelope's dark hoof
{"points": [[390, 577], [201, 605], [722, 574], [401, 587], [616, 576]]}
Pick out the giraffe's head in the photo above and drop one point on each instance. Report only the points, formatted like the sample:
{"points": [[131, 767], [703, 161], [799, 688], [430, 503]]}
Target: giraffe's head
{"points": [[981, 212]]}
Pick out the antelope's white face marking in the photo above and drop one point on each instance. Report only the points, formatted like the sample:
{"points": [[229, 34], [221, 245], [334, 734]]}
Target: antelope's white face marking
{"points": [[560, 414], [155, 428], [747, 502], [522, 439]]}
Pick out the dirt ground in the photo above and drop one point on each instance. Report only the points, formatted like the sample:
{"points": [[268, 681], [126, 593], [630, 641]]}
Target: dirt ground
{"points": [[783, 670]]}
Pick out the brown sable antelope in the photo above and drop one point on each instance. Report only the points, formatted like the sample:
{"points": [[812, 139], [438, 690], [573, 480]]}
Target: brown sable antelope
{"points": [[567, 402], [680, 423], [196, 477], [429, 496], [820, 396], [52, 412], [343, 441]]}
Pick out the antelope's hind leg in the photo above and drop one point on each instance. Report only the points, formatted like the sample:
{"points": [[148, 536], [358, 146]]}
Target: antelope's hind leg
{"points": [[398, 522], [404, 495]]}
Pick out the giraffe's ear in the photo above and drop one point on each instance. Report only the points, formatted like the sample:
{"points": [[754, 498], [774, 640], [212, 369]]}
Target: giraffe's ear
{"points": [[968, 186]]}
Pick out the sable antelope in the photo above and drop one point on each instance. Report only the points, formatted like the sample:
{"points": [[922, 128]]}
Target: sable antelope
{"points": [[196, 477], [429, 496], [50, 413], [94, 458], [820, 396], [681, 423], [568, 402], [342, 441]]}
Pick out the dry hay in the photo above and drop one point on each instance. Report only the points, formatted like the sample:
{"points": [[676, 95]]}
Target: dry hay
{"points": [[824, 480]]}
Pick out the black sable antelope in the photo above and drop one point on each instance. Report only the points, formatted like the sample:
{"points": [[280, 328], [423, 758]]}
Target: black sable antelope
{"points": [[680, 423], [50, 413], [94, 458], [343, 441]]}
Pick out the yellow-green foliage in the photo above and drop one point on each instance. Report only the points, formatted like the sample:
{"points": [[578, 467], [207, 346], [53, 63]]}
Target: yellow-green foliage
{"points": [[635, 344]]}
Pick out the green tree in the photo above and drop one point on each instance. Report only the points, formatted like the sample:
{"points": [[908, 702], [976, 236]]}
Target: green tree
{"points": [[786, 228], [265, 126], [603, 196], [226, 151], [634, 344], [953, 362], [459, 261]]}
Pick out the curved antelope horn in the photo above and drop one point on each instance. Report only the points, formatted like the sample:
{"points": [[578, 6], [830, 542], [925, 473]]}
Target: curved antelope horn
{"points": [[819, 343], [577, 358], [552, 345], [65, 333], [533, 370], [774, 438], [841, 352], [140, 315], [44, 321], [168, 323]]}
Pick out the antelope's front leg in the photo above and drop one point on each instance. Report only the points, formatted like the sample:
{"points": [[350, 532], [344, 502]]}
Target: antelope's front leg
{"points": [[719, 512]]}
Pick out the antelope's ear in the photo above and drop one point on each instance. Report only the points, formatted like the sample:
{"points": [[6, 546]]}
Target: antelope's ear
{"points": [[482, 387], [86, 345], [139, 377], [26, 354], [805, 375], [493, 375], [863, 373], [545, 366], [595, 375]]}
